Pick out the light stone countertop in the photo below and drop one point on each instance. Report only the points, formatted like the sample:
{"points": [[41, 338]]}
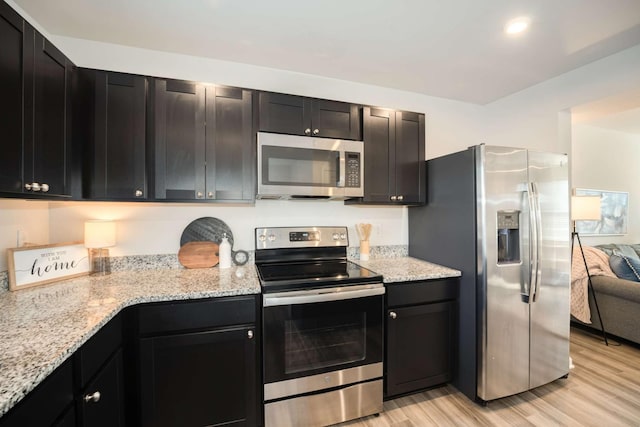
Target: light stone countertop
{"points": [[406, 269], [41, 327]]}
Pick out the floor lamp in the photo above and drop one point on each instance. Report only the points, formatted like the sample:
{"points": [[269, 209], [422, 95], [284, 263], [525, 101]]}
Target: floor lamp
{"points": [[586, 208]]}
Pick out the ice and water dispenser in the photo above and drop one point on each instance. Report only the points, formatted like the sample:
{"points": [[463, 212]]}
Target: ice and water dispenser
{"points": [[508, 237]]}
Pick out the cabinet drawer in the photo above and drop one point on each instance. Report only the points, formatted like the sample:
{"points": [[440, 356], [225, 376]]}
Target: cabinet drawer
{"points": [[196, 314], [420, 292], [95, 352]]}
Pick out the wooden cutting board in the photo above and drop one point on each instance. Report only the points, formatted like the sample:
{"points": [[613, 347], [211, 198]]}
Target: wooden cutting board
{"points": [[198, 255]]}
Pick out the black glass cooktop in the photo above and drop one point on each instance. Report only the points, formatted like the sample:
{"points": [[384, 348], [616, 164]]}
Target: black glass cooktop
{"points": [[301, 275]]}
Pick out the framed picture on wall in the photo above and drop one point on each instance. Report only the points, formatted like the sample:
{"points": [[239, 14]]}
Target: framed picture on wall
{"points": [[614, 207]]}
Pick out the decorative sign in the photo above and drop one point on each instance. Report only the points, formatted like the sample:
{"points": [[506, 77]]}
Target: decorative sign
{"points": [[614, 206], [38, 265]]}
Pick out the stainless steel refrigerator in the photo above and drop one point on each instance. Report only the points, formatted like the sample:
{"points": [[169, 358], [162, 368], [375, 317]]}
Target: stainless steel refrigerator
{"points": [[501, 216]]}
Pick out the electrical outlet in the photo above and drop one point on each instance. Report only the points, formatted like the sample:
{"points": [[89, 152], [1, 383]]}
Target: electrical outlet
{"points": [[21, 238]]}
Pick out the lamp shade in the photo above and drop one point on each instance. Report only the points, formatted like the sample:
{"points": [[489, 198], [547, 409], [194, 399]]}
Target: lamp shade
{"points": [[99, 234], [585, 208]]}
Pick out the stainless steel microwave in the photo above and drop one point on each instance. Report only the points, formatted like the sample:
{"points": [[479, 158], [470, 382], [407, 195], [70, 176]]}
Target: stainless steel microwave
{"points": [[303, 167]]}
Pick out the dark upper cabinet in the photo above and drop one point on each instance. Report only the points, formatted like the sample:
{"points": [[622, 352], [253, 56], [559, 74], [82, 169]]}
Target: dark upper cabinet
{"points": [[11, 102], [297, 115], [394, 157], [230, 144], [111, 124], [35, 108], [203, 142], [420, 316]]}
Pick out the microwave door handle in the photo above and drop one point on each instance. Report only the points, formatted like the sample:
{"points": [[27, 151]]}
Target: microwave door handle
{"points": [[342, 169]]}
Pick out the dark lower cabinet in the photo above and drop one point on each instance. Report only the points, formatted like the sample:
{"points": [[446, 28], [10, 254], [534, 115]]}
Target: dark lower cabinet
{"points": [[50, 403], [421, 335], [198, 379], [297, 115], [197, 363], [394, 147], [101, 404]]}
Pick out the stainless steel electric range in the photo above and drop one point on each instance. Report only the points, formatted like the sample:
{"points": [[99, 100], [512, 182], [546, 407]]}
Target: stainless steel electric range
{"points": [[322, 328]]}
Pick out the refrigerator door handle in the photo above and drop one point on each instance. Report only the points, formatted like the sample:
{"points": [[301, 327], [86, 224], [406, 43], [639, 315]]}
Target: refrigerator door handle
{"points": [[537, 238], [533, 244]]}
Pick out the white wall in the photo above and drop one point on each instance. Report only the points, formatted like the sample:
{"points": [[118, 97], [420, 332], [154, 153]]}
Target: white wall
{"points": [[30, 218], [608, 160], [155, 228]]}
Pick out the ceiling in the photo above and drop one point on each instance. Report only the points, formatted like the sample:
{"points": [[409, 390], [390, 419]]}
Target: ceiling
{"points": [[620, 112], [452, 49]]}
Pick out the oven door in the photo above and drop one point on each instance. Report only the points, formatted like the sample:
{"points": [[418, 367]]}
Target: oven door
{"points": [[323, 330]]}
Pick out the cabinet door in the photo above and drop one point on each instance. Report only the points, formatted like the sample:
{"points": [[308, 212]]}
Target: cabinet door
{"points": [[199, 379], [333, 119], [102, 403], [420, 346], [11, 103], [118, 164], [179, 135], [379, 157], [409, 155], [282, 113], [230, 144], [46, 110]]}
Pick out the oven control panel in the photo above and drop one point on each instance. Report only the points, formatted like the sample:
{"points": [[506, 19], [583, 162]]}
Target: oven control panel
{"points": [[300, 237]]}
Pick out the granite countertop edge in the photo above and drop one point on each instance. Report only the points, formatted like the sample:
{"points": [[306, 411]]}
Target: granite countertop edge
{"points": [[13, 390], [393, 269]]}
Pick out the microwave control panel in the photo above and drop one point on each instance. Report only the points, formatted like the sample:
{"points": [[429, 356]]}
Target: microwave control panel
{"points": [[353, 169]]}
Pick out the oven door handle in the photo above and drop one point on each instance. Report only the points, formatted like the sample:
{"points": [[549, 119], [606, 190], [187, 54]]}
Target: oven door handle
{"points": [[322, 295]]}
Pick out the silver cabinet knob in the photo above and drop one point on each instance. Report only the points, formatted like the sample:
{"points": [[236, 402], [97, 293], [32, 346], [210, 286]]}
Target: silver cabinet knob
{"points": [[35, 187], [393, 198], [138, 193], [44, 188], [250, 334], [27, 186], [392, 314], [400, 198], [307, 131], [94, 397], [316, 131], [199, 195], [210, 194]]}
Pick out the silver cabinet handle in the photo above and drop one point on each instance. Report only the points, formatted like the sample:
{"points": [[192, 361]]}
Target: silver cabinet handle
{"points": [[307, 131], [400, 198], [44, 188], [138, 193], [393, 198], [392, 314], [199, 194], [210, 194], [95, 397], [35, 187], [27, 186], [316, 131], [250, 334]]}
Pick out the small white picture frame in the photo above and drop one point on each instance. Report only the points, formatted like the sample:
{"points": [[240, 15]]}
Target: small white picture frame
{"points": [[38, 265]]}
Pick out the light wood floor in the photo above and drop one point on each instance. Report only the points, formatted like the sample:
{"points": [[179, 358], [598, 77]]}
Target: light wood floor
{"points": [[603, 389]]}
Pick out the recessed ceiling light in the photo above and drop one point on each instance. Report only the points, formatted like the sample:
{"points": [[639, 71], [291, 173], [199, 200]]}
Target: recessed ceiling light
{"points": [[517, 25]]}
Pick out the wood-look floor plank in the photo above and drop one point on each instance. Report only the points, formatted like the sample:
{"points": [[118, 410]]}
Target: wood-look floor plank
{"points": [[603, 389]]}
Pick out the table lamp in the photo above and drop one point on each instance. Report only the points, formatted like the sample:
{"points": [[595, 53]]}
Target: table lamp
{"points": [[586, 208], [98, 236]]}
